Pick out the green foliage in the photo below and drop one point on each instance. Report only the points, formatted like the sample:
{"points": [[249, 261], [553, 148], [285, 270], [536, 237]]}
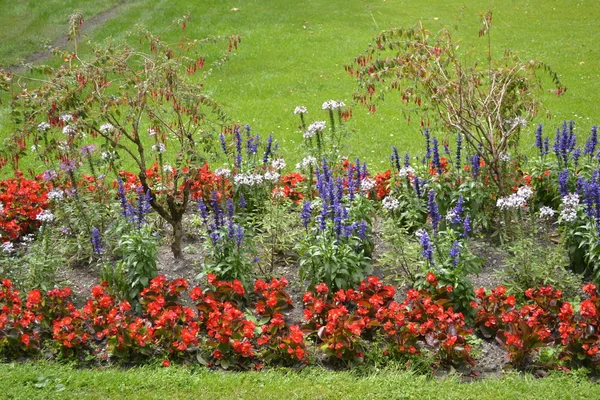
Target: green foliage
{"points": [[138, 251], [277, 234], [534, 264], [36, 261], [400, 261], [339, 262]]}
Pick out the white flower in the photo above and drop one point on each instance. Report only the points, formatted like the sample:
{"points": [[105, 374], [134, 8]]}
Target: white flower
{"points": [[525, 192], [108, 155], [571, 200], [56, 194], [63, 146], [517, 121], [45, 216], [300, 110], [248, 179], [314, 128], [34, 148], [66, 118], [8, 247], [570, 203], [505, 157], [367, 184], [69, 130], [546, 212], [333, 105], [168, 168], [159, 148], [151, 132], [107, 128], [1, 208], [278, 164], [223, 172], [420, 232], [43, 126], [405, 171], [27, 238], [272, 176], [390, 203], [306, 162], [515, 200]]}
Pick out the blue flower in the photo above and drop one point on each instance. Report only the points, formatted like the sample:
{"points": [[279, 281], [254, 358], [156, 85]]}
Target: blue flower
{"points": [[455, 253], [96, 241]]}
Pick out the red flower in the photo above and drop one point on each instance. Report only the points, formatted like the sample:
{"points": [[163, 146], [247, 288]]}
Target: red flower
{"points": [[431, 279], [166, 363]]}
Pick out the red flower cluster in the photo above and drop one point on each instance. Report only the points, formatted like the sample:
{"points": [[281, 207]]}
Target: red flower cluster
{"points": [[289, 188], [22, 200], [544, 320], [406, 328]]}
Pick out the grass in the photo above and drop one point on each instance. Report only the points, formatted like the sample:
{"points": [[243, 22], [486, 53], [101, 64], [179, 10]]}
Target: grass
{"points": [[30, 381], [294, 54]]}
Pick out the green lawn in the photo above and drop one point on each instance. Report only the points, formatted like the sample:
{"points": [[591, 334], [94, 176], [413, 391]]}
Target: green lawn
{"points": [[293, 52], [31, 381]]}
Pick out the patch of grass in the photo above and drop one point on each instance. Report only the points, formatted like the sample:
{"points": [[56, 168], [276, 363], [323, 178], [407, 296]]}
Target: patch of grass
{"points": [[29, 25], [31, 381], [294, 53]]}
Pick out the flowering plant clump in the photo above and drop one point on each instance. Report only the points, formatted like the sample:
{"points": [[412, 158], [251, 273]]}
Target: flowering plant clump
{"points": [[336, 248], [21, 202], [344, 321]]}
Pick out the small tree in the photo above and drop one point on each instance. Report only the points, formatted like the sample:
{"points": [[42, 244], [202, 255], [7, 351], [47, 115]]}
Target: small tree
{"points": [[487, 103], [143, 107]]}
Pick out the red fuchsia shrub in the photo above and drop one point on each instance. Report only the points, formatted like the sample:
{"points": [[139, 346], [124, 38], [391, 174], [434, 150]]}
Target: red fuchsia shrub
{"points": [[21, 201]]}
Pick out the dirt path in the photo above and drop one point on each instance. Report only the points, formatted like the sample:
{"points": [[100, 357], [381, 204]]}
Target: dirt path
{"points": [[63, 40]]}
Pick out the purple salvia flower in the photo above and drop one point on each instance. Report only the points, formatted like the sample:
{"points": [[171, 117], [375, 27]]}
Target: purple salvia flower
{"points": [[455, 253], [427, 144], [306, 214], [268, 151], [446, 149], [126, 207], [538, 139], [96, 241], [223, 143], [458, 150], [351, 184], [427, 249], [592, 142], [230, 209], [395, 158], [203, 211], [406, 160], [436, 157], [563, 182], [362, 230], [475, 165], [242, 201], [239, 235], [575, 156], [457, 211], [434, 213], [467, 226], [418, 184], [238, 146], [546, 146]]}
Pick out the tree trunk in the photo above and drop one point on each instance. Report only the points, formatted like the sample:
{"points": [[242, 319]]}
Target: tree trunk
{"points": [[177, 236]]}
